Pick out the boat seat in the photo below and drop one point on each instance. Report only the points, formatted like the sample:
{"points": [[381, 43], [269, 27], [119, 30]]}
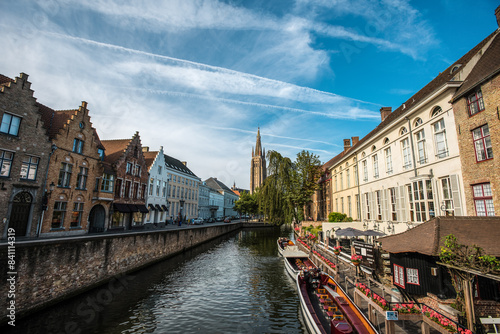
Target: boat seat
{"points": [[338, 315], [321, 291], [332, 308], [330, 314]]}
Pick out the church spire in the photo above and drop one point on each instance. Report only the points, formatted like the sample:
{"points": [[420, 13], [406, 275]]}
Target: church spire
{"points": [[258, 148]]}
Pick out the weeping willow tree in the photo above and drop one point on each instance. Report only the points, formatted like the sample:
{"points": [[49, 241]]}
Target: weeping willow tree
{"points": [[288, 187]]}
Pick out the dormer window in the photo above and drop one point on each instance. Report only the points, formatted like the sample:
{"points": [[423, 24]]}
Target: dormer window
{"points": [[475, 102]]}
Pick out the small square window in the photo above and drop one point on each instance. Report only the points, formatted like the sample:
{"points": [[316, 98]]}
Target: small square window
{"points": [[10, 124]]}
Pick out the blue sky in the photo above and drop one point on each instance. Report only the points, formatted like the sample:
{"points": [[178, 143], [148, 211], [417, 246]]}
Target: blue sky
{"points": [[199, 77]]}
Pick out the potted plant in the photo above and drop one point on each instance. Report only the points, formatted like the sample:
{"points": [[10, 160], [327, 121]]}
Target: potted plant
{"points": [[337, 249], [356, 259]]}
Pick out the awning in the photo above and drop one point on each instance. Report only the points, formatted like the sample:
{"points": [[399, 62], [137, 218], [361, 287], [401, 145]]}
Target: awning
{"points": [[142, 208], [151, 207], [164, 207], [132, 208], [124, 208], [157, 206]]}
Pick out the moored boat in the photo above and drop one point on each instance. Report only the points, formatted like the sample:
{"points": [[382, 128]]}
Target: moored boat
{"points": [[296, 261], [283, 243], [326, 307]]}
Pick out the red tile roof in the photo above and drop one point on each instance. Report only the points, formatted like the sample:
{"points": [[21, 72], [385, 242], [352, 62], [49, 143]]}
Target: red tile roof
{"points": [[427, 238], [54, 120], [150, 157], [5, 80], [115, 148]]}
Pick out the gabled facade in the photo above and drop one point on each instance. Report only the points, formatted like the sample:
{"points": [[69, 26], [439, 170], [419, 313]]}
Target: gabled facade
{"points": [[184, 189], [131, 178], [157, 199], [475, 107], [204, 201], [73, 170], [258, 169], [230, 198], [25, 150], [216, 203]]}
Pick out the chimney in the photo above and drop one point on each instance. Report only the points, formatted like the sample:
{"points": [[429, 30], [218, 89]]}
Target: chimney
{"points": [[384, 112], [347, 144], [184, 163], [355, 140], [145, 149], [497, 14]]}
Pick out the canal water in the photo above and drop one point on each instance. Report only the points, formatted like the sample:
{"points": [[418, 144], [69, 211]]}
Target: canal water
{"points": [[234, 284]]}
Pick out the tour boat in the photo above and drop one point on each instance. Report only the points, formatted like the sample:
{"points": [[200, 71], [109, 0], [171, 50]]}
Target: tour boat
{"points": [[296, 261], [283, 243], [327, 309]]}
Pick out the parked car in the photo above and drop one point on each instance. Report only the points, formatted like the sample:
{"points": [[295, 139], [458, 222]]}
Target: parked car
{"points": [[227, 220], [198, 221], [219, 219], [211, 220]]}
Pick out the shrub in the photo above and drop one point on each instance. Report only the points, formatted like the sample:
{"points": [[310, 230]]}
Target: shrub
{"points": [[336, 217]]}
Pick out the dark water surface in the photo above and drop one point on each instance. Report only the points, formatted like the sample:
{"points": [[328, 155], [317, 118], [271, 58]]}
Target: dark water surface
{"points": [[235, 284]]}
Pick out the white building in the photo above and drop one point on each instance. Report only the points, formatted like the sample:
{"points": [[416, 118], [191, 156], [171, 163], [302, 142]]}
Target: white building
{"points": [[216, 203], [183, 191], [230, 197], [157, 197]]}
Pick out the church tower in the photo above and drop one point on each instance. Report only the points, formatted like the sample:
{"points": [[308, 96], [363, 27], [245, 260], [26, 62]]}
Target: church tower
{"points": [[258, 171]]}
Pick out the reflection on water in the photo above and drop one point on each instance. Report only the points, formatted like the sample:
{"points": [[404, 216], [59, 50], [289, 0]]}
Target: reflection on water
{"points": [[235, 284]]}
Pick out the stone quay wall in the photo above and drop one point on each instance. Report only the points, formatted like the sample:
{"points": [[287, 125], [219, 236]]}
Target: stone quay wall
{"points": [[49, 271]]}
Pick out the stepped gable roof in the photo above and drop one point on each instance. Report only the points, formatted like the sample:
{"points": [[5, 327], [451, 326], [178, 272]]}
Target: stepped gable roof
{"points": [[175, 164], [5, 80], [54, 120], [115, 149], [150, 157], [217, 185], [439, 81], [427, 238], [487, 67]]}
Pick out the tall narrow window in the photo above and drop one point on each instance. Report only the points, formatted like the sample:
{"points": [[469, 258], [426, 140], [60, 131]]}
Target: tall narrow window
{"points": [[138, 170], [356, 175], [379, 205], [348, 178], [128, 184], [118, 188], [358, 205], [335, 183], [81, 180], [342, 204], [58, 215], [367, 201], [375, 166], [158, 187], [135, 192], [388, 160], [151, 186], [349, 206], [164, 191], [78, 146], [394, 214], [440, 139], [341, 181], [421, 198], [143, 191], [64, 175], [405, 144], [420, 137], [10, 124], [483, 199], [76, 215], [100, 151], [447, 197], [365, 171], [482, 143], [129, 168], [399, 278], [29, 168], [6, 163], [475, 102]]}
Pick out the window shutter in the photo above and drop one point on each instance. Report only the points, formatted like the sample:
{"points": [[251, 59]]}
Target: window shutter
{"points": [[401, 204], [373, 205], [385, 204], [363, 207], [455, 192]]}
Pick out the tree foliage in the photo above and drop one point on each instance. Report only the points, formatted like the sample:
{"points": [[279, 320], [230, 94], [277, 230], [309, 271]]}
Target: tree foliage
{"points": [[289, 186], [247, 204]]}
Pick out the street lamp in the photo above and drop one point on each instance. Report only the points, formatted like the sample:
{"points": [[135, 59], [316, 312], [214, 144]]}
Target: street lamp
{"points": [[181, 202]]}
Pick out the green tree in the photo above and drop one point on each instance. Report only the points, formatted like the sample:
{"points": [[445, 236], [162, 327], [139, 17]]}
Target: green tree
{"points": [[246, 204]]}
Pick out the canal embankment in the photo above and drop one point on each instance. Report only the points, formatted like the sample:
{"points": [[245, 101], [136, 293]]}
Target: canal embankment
{"points": [[49, 271]]}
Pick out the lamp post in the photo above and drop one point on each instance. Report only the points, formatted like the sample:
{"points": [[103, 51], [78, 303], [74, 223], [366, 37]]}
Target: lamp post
{"points": [[181, 202]]}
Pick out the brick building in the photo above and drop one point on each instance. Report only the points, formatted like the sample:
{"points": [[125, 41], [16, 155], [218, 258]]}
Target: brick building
{"points": [[476, 109], [127, 161], [24, 152], [74, 169]]}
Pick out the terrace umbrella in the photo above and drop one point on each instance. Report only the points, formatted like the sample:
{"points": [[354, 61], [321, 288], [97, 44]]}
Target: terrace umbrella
{"points": [[373, 233], [349, 232]]}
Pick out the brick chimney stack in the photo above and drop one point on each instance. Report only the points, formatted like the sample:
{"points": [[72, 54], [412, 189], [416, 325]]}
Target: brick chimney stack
{"points": [[497, 14], [384, 112], [355, 140], [347, 144]]}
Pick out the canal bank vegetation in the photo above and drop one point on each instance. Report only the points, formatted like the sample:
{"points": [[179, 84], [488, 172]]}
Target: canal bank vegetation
{"points": [[288, 186]]}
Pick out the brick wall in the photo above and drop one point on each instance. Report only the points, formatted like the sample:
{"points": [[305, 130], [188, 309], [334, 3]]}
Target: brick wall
{"points": [[49, 271], [485, 171]]}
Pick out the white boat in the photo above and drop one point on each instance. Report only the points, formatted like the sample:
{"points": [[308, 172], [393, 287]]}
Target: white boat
{"points": [[296, 261], [283, 243]]}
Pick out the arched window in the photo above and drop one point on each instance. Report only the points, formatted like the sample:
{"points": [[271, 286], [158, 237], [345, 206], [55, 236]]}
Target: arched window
{"points": [[386, 141], [403, 131], [418, 122], [374, 148], [436, 111]]}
